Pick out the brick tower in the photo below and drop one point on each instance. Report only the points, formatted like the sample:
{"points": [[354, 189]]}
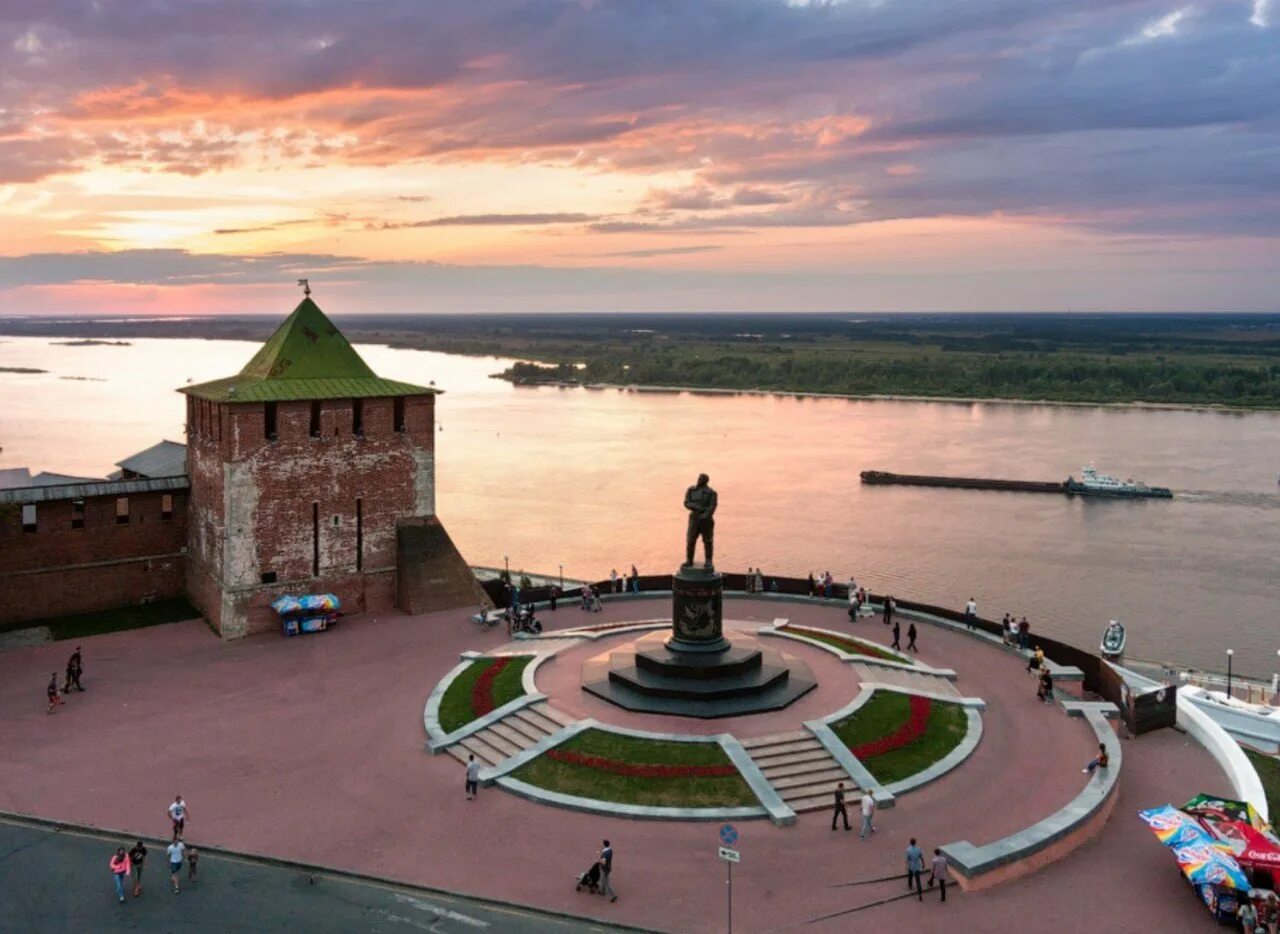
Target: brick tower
{"points": [[307, 471]]}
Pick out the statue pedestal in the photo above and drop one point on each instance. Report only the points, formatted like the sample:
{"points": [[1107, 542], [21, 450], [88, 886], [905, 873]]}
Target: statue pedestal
{"points": [[697, 622]]}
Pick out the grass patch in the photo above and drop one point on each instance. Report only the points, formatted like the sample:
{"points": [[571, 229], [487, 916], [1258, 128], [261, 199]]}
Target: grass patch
{"points": [[682, 791], [886, 713], [80, 625], [457, 706], [846, 645], [1268, 768]]}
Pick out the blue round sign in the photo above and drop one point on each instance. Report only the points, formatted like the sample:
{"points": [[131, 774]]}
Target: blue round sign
{"points": [[728, 835]]}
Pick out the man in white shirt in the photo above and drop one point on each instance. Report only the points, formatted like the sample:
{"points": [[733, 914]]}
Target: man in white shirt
{"points": [[178, 814], [868, 804], [473, 778], [971, 612], [176, 850]]}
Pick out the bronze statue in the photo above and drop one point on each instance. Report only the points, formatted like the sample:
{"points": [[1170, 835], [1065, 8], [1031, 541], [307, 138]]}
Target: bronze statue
{"points": [[701, 502]]}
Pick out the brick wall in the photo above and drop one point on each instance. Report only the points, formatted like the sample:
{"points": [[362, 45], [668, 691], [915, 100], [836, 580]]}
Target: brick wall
{"points": [[59, 569]]}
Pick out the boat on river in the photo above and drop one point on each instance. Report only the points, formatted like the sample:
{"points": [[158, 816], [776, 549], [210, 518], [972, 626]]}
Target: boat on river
{"points": [[1112, 646], [1092, 483]]}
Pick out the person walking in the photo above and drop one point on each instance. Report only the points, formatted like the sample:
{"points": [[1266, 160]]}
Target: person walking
{"points": [[890, 605], [749, 581], [897, 636], [1024, 633], [613, 580], [759, 580], [868, 805], [812, 585], [971, 612], [1046, 686], [473, 778], [120, 867], [938, 872], [838, 812], [176, 850], [138, 858], [52, 692], [75, 666], [911, 639], [193, 857], [178, 814], [552, 596], [606, 872], [635, 580], [915, 867]]}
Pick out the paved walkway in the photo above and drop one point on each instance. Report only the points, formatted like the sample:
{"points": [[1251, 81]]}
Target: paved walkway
{"points": [[311, 749]]}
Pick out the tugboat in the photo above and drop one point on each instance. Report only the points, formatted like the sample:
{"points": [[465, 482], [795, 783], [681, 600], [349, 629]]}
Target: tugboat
{"points": [[1092, 483], [1112, 646]]}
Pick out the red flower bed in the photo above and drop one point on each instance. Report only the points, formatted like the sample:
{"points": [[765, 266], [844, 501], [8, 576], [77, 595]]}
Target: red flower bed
{"points": [[853, 648], [908, 733], [636, 770], [482, 690]]}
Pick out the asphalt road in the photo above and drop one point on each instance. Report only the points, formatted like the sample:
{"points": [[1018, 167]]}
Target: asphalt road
{"points": [[58, 880]]}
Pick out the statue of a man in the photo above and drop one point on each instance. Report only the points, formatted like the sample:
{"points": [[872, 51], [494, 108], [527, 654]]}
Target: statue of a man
{"points": [[700, 500]]}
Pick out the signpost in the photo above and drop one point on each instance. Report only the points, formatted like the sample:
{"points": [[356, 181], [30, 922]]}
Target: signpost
{"points": [[729, 837]]}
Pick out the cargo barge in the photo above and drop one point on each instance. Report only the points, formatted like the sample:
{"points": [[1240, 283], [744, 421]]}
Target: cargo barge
{"points": [[1091, 484]]}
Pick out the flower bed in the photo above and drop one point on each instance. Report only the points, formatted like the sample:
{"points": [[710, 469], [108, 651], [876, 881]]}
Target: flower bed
{"points": [[484, 685], [636, 770], [850, 646], [897, 735]]}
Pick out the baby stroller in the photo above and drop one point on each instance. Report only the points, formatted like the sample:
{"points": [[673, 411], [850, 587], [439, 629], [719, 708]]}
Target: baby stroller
{"points": [[590, 879], [523, 620]]}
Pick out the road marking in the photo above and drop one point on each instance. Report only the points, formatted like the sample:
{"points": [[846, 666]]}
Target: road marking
{"points": [[441, 912]]}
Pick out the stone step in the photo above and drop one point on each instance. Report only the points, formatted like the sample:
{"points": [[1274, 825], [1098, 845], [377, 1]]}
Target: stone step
{"points": [[813, 786], [458, 753], [814, 803], [776, 739], [535, 720], [761, 753], [818, 754], [482, 750], [558, 717], [830, 776], [499, 742], [518, 739], [786, 771], [529, 733]]}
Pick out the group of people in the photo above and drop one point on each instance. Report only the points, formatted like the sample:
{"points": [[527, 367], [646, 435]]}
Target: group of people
{"points": [[1259, 915], [824, 585], [75, 670], [1015, 632], [590, 599], [128, 864], [619, 583], [754, 582], [938, 872]]}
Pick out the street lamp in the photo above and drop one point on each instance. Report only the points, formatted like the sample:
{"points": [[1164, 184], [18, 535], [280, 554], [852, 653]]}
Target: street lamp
{"points": [[1230, 653], [506, 566], [562, 577]]}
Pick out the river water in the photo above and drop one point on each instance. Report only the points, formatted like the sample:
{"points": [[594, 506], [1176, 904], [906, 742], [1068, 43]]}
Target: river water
{"points": [[593, 479]]}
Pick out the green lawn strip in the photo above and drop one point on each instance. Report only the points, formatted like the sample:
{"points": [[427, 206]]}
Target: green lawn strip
{"points": [[880, 716], [947, 726], [1268, 769], [508, 686], [587, 782], [79, 625], [847, 645], [455, 706]]}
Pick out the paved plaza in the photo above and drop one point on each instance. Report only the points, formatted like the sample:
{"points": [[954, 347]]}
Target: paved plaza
{"points": [[311, 749]]}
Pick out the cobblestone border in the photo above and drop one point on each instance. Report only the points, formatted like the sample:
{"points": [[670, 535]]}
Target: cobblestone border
{"points": [[972, 863]]}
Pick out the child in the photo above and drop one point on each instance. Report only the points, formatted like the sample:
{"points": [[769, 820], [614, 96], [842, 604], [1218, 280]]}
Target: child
{"points": [[192, 856], [54, 698], [1099, 761]]}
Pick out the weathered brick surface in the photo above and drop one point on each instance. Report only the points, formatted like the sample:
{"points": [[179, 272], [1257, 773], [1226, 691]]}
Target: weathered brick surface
{"points": [[58, 570], [288, 505]]}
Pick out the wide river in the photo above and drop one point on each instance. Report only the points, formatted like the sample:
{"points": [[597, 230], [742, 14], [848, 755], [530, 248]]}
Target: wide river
{"points": [[593, 479]]}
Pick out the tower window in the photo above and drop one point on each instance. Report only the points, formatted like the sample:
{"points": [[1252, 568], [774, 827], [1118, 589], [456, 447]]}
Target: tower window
{"points": [[29, 517], [398, 413], [268, 577], [166, 507], [77, 514], [269, 422], [315, 419], [122, 510], [357, 416]]}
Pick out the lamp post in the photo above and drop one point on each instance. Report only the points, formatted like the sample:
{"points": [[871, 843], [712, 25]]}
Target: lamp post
{"points": [[506, 566], [562, 577], [1230, 653]]}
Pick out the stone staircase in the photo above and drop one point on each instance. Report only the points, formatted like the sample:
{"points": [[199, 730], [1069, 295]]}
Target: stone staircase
{"points": [[800, 769], [510, 735], [918, 681]]}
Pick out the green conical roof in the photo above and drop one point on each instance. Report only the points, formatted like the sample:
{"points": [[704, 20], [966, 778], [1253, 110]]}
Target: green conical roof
{"points": [[306, 358]]}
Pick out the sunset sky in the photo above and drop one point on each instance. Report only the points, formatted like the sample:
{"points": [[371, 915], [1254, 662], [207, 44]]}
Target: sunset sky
{"points": [[178, 156]]}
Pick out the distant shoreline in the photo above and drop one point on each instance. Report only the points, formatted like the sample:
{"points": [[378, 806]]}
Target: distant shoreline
{"points": [[893, 397]]}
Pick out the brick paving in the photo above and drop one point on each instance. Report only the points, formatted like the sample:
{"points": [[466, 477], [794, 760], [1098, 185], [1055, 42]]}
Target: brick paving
{"points": [[311, 749]]}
